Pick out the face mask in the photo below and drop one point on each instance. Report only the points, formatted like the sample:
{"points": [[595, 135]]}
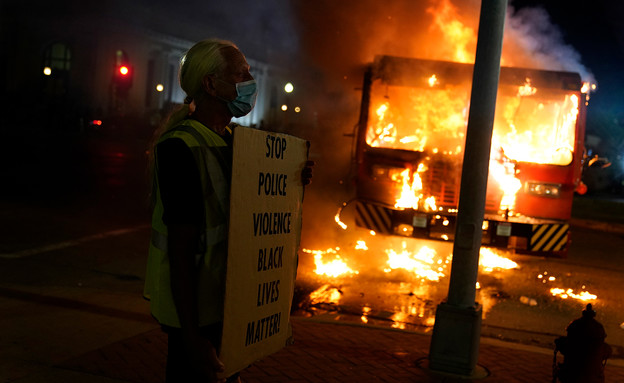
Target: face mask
{"points": [[245, 100]]}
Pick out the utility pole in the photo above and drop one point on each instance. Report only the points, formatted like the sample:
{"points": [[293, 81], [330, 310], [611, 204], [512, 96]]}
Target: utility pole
{"points": [[455, 341]]}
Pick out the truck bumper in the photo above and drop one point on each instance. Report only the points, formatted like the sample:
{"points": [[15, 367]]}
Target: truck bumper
{"points": [[524, 235]]}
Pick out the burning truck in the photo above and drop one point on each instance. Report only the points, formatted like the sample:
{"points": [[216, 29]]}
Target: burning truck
{"points": [[409, 145]]}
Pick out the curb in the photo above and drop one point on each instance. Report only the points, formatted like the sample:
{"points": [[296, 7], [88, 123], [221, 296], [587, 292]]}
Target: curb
{"points": [[609, 227]]}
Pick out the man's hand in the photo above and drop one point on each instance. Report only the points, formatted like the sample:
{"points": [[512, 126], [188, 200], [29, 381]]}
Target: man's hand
{"points": [[306, 173]]}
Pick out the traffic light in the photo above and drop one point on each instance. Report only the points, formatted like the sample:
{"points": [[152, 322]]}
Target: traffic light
{"points": [[123, 77], [124, 70]]}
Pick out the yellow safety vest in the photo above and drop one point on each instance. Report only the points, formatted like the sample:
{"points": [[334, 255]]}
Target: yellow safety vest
{"points": [[207, 148]]}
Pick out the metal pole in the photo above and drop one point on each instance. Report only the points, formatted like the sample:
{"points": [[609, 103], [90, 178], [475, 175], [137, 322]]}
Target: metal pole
{"points": [[455, 341]]}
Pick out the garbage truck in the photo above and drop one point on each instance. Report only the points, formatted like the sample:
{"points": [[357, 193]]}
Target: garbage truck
{"points": [[409, 149]]}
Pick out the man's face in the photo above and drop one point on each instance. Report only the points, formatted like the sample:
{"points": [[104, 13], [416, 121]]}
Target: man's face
{"points": [[236, 70]]}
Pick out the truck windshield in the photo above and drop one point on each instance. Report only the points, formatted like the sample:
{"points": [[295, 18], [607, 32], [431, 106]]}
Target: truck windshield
{"points": [[531, 125]]}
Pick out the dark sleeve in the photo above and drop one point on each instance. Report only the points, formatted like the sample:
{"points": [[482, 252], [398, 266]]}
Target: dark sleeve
{"points": [[179, 182]]}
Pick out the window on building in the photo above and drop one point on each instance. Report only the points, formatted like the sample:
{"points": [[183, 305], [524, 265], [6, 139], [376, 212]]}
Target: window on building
{"points": [[57, 57], [56, 65]]}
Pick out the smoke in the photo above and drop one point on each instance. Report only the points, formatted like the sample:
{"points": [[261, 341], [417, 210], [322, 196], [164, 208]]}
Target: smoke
{"points": [[532, 40], [264, 30], [341, 37]]}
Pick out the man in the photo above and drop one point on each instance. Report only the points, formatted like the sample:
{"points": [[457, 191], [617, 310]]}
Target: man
{"points": [[192, 171]]}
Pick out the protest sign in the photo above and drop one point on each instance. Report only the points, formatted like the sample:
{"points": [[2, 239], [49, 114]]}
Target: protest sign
{"points": [[264, 234]]}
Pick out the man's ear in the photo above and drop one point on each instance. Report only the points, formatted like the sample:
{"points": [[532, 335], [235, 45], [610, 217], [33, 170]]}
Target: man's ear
{"points": [[208, 84]]}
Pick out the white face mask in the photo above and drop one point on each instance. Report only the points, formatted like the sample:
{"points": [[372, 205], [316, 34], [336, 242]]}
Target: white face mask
{"points": [[245, 100]]}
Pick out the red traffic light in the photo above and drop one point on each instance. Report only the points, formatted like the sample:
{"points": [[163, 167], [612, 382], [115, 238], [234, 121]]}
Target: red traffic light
{"points": [[123, 78]]}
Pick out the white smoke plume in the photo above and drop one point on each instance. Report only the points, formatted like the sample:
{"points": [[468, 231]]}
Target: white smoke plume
{"points": [[531, 39]]}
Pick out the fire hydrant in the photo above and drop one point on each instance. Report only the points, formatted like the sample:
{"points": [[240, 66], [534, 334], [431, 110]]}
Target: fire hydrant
{"points": [[584, 351]]}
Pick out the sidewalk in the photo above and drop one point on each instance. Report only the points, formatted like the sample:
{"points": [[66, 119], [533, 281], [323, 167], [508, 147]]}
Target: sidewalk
{"points": [[328, 352]]}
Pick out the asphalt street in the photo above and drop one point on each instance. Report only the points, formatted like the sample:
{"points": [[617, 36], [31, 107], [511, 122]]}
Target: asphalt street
{"points": [[72, 266]]}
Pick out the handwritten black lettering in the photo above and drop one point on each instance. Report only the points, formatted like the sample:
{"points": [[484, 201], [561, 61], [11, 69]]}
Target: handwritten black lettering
{"points": [[268, 292], [271, 223], [262, 328], [275, 147], [271, 258], [272, 184]]}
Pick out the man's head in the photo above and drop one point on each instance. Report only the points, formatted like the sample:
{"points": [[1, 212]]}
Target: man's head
{"points": [[217, 68]]}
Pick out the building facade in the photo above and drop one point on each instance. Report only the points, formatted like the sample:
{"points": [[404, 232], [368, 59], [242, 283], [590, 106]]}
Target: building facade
{"points": [[73, 70]]}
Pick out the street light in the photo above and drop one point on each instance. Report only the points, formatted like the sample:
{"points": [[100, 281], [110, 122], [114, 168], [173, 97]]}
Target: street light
{"points": [[288, 88]]}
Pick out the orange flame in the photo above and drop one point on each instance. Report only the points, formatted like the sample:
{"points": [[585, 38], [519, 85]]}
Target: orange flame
{"points": [[423, 264], [562, 293], [384, 133], [530, 126], [489, 260], [569, 293], [334, 268], [503, 171], [535, 129], [456, 34], [325, 294], [410, 192]]}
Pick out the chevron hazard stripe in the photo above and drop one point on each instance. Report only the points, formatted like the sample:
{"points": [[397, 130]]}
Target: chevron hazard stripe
{"points": [[373, 217], [549, 237]]}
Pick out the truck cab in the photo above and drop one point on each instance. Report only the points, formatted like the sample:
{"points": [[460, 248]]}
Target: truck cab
{"points": [[410, 146]]}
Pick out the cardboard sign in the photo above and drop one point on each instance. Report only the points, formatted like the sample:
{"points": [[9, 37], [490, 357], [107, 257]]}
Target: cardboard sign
{"points": [[264, 234]]}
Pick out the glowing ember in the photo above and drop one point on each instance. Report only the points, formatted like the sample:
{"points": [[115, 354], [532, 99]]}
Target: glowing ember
{"points": [[489, 260], [336, 267], [361, 245], [398, 325], [545, 279], [424, 263], [325, 294], [339, 222], [526, 89], [365, 311], [433, 80], [569, 293], [430, 203]]}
